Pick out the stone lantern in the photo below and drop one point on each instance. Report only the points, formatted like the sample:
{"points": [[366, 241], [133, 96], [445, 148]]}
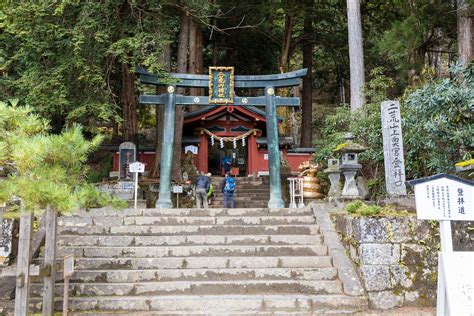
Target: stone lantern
{"points": [[334, 173], [350, 166]]}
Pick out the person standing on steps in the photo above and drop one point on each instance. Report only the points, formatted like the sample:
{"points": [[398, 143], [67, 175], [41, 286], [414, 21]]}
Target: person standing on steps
{"points": [[226, 164], [228, 188], [202, 187], [210, 193]]}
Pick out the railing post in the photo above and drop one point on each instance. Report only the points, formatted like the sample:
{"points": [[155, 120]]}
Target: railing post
{"points": [[23, 265], [49, 262], [164, 197], [273, 151]]}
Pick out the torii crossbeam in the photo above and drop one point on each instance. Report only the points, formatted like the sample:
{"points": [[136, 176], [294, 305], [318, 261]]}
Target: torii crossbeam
{"points": [[270, 101]]}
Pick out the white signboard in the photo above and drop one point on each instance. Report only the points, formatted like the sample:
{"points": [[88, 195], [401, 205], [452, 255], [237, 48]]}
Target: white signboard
{"points": [[444, 198], [137, 167], [177, 189], [393, 148], [458, 276], [265, 156], [191, 148]]}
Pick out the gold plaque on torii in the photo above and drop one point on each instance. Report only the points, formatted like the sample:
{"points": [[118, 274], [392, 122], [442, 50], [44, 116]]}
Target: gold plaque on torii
{"points": [[221, 85]]}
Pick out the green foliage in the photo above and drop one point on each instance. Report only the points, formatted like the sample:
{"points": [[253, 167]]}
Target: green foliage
{"points": [[365, 125], [353, 206], [359, 208], [437, 126], [45, 171], [64, 58]]}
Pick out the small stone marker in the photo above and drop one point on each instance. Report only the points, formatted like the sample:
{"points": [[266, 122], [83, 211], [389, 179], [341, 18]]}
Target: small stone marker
{"points": [[445, 197], [127, 155], [393, 148]]}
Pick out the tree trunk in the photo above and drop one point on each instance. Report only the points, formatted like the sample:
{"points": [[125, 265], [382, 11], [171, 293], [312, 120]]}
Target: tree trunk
{"points": [[307, 112], [159, 110], [182, 61], [195, 56], [285, 47], [129, 106], [465, 32], [356, 54]]}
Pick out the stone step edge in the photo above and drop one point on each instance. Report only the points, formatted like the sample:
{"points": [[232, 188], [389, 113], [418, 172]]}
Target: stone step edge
{"points": [[190, 258], [195, 236], [196, 246], [318, 302], [203, 269]]}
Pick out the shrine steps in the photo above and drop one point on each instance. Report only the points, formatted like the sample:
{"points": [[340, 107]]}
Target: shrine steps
{"points": [[195, 261], [250, 192]]}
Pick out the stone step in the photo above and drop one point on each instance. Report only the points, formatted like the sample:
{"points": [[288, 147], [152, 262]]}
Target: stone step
{"points": [[197, 288], [213, 304], [131, 276], [192, 251], [201, 262], [192, 230], [108, 212], [123, 240], [247, 198], [186, 220]]}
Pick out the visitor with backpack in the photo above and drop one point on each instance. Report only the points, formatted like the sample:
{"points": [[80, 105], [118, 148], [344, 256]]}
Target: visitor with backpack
{"points": [[202, 187], [210, 193], [228, 188]]}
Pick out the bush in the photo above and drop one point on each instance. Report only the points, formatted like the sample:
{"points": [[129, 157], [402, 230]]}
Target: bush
{"points": [[437, 122], [353, 206]]}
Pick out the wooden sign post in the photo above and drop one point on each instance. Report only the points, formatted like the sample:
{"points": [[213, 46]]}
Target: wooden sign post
{"points": [[445, 198], [23, 265], [137, 167], [177, 189], [67, 273]]}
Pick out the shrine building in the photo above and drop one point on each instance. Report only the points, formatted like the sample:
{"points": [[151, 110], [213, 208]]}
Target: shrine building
{"points": [[243, 133]]}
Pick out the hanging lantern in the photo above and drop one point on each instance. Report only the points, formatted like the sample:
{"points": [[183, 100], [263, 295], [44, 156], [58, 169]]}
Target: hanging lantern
{"points": [[212, 140], [243, 141], [235, 142], [222, 143]]}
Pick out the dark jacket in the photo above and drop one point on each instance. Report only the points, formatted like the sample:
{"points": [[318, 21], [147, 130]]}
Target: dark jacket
{"points": [[203, 182]]}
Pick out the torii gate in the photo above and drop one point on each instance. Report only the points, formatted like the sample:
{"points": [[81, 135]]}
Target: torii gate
{"points": [[221, 92]]}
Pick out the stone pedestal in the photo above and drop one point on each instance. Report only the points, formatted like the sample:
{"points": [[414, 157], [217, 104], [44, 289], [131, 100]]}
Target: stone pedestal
{"points": [[334, 190], [350, 189]]}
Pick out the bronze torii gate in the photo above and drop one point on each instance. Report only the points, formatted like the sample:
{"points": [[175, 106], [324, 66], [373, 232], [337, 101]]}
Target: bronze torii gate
{"points": [[221, 92]]}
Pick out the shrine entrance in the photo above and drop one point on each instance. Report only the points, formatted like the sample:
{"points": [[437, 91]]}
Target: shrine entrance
{"points": [[237, 155], [221, 83]]}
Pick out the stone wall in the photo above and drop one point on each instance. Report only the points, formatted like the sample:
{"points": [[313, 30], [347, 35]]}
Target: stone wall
{"points": [[396, 256]]}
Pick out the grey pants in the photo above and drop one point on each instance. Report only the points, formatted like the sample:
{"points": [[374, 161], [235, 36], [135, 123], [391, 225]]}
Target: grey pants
{"points": [[201, 195], [229, 197]]}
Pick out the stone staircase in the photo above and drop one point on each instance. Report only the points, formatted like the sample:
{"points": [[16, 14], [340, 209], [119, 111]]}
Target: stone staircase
{"points": [[190, 261], [249, 192]]}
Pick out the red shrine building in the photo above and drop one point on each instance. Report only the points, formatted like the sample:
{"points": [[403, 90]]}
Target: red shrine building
{"points": [[237, 132]]}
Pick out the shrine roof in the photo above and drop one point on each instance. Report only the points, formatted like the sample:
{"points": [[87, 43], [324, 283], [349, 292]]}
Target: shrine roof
{"points": [[248, 110]]}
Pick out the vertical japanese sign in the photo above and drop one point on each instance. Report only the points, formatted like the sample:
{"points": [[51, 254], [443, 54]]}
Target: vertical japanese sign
{"points": [[393, 148], [221, 85], [127, 155]]}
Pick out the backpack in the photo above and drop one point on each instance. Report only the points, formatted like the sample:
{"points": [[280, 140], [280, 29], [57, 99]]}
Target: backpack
{"points": [[229, 185]]}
